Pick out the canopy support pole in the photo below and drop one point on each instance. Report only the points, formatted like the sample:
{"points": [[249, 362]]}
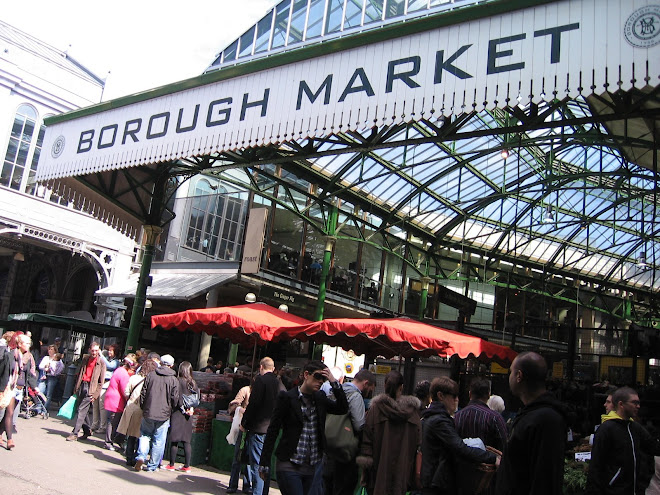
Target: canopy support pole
{"points": [[331, 229], [152, 230]]}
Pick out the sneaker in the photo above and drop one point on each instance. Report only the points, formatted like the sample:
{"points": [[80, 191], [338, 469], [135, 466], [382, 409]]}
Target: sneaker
{"points": [[184, 469], [169, 467], [138, 465], [110, 447], [72, 438], [86, 434]]}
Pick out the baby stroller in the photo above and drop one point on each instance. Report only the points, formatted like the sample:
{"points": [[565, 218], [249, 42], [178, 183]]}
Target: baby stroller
{"points": [[33, 404]]}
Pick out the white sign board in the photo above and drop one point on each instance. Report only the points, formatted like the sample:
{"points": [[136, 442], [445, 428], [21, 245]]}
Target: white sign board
{"points": [[565, 48], [254, 240]]}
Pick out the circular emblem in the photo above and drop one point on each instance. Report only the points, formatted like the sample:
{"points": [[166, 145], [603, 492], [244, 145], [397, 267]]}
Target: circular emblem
{"points": [[642, 28], [58, 147]]}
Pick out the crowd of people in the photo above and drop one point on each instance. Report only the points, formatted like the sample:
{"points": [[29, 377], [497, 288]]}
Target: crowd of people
{"points": [[335, 436]]}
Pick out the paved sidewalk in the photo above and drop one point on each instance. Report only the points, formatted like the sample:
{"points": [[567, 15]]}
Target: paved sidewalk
{"points": [[44, 463]]}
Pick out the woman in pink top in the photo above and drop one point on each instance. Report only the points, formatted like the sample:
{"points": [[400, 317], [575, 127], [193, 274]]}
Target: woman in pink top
{"points": [[115, 400]]}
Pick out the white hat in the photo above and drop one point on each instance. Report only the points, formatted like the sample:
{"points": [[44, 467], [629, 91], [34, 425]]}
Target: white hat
{"points": [[167, 360]]}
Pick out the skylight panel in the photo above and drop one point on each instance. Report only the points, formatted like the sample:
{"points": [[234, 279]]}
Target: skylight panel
{"points": [[353, 17], [373, 11], [315, 21], [263, 33], [281, 24]]}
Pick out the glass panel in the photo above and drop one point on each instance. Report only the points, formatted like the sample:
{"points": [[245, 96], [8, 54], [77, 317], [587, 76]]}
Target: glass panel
{"points": [[315, 21], [333, 19], [297, 21], [285, 243], [16, 178], [22, 153], [230, 52], [28, 131], [415, 5], [28, 111], [246, 41], [281, 21], [263, 33], [353, 13], [12, 149], [17, 128], [6, 173], [395, 8], [435, 3], [374, 11]]}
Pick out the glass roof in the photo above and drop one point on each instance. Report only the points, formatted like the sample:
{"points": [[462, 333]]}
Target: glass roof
{"points": [[295, 23], [560, 197]]}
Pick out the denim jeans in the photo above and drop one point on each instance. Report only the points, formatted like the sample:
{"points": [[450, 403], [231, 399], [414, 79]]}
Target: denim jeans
{"points": [[153, 436], [237, 467], [255, 444], [51, 385], [295, 483]]}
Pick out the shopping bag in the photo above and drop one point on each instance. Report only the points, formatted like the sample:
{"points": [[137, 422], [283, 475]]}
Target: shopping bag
{"points": [[235, 426], [68, 409]]}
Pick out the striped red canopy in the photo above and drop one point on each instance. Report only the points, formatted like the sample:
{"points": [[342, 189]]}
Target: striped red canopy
{"points": [[246, 324]]}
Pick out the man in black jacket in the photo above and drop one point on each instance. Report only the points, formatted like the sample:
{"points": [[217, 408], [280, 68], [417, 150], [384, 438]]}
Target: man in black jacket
{"points": [[622, 450], [533, 463], [159, 397], [256, 419], [301, 413], [442, 447]]}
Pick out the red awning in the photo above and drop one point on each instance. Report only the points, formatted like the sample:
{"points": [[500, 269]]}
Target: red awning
{"points": [[242, 324], [397, 336]]}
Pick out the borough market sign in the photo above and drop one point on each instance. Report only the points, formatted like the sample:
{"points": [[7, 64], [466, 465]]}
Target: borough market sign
{"points": [[566, 48]]}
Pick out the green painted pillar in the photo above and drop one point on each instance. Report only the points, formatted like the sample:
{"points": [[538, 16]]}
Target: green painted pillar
{"points": [[331, 229], [152, 232], [233, 355]]}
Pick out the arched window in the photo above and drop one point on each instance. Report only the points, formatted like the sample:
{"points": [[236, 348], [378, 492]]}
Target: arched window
{"points": [[18, 149]]}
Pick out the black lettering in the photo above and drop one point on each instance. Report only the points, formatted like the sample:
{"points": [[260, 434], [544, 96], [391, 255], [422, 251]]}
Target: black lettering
{"points": [[406, 77], [152, 119], [128, 131], [224, 113], [441, 65], [303, 87], [259, 103], [192, 126], [86, 138], [493, 54], [555, 40], [110, 143], [365, 86]]}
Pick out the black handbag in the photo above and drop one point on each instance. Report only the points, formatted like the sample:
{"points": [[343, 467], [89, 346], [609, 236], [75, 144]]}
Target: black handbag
{"points": [[190, 400]]}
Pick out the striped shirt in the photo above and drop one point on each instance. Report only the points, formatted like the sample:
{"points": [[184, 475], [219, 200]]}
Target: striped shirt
{"points": [[477, 420]]}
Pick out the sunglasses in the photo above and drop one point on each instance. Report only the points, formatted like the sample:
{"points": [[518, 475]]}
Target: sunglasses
{"points": [[319, 376]]}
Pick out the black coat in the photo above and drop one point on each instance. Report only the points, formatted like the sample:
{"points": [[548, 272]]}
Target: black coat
{"points": [[288, 416], [160, 394], [6, 367], [443, 448], [262, 402], [533, 463], [619, 458]]}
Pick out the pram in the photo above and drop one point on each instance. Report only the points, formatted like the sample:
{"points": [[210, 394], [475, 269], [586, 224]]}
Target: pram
{"points": [[33, 403]]}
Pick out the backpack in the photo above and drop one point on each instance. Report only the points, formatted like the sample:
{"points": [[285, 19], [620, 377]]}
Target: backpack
{"points": [[341, 441]]}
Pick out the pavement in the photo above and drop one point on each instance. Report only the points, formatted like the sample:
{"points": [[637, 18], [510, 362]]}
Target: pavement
{"points": [[44, 463]]}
